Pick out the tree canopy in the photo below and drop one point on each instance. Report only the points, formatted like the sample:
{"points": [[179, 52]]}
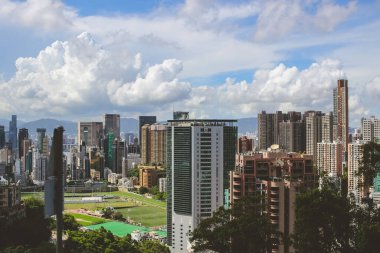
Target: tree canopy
{"points": [[243, 228], [370, 163]]}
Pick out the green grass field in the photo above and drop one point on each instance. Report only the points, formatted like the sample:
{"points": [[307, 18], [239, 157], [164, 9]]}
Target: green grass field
{"points": [[148, 216], [87, 220], [148, 212], [98, 206]]}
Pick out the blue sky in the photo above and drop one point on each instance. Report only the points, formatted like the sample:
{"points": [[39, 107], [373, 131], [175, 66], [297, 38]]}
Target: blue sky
{"points": [[74, 59]]}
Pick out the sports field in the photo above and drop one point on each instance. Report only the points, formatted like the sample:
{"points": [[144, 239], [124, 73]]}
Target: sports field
{"points": [[148, 212], [86, 220], [148, 216], [122, 229]]}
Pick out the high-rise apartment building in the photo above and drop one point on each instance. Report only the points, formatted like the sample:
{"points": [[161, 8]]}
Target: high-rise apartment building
{"points": [[330, 158], [90, 133], [313, 131], [112, 124], [371, 129], [2, 137], [327, 127], [143, 120], [13, 133], [340, 118], [23, 134], [200, 154], [269, 129], [153, 144], [354, 154], [277, 177], [119, 152], [292, 136]]}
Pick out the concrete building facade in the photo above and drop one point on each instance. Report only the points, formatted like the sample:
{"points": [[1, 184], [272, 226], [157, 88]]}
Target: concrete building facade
{"points": [[200, 154], [330, 158], [90, 133]]}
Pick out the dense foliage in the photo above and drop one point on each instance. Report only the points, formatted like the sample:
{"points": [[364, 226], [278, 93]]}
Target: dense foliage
{"points": [[322, 222], [242, 228], [370, 163], [31, 230], [326, 221], [99, 241]]}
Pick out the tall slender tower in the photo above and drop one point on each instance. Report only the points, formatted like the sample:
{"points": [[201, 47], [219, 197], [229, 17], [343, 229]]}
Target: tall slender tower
{"points": [[200, 154], [23, 134], [112, 124], [340, 118], [13, 133]]}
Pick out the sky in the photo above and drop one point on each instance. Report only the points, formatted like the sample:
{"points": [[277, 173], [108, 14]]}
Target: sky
{"points": [[76, 60]]}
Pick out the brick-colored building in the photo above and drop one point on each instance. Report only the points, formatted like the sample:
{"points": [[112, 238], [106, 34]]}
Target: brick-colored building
{"points": [[149, 175], [278, 177]]}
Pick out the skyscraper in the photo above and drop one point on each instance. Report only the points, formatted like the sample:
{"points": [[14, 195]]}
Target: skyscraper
{"points": [[292, 136], [40, 138], [200, 154], [340, 118], [143, 120], [354, 154], [327, 127], [90, 133], [13, 133], [2, 137], [266, 129], [313, 131], [112, 124], [371, 129], [269, 129], [22, 135], [329, 158], [153, 144]]}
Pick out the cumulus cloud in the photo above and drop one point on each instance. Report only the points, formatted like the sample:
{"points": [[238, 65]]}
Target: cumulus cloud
{"points": [[281, 88], [47, 15], [79, 76], [159, 87]]}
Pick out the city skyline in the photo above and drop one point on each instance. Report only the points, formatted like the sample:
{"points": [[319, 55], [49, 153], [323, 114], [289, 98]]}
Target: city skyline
{"points": [[146, 58]]}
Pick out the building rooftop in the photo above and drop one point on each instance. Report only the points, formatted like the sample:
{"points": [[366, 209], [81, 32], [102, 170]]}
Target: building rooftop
{"points": [[202, 122]]}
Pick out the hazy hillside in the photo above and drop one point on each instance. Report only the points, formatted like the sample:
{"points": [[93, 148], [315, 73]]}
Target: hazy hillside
{"points": [[247, 125]]}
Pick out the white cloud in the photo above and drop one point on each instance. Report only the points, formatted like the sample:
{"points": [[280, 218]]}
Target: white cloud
{"points": [[329, 14], [125, 65], [281, 88], [47, 15], [78, 76], [159, 87]]}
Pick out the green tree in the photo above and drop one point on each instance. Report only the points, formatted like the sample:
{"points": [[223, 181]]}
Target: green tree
{"points": [[143, 190], [69, 223], [31, 230], [134, 172], [366, 229], [323, 222], [117, 216], [152, 247], [98, 241], [243, 228], [369, 164], [154, 190]]}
